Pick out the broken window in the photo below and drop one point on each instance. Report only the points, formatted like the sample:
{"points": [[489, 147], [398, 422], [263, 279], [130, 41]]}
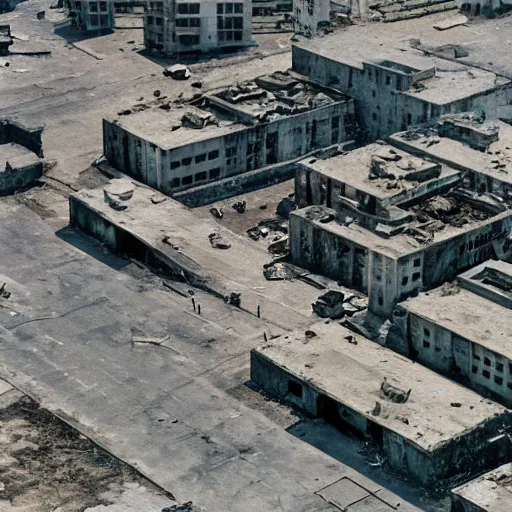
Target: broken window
{"points": [[239, 8], [188, 39], [103, 6], [487, 361], [214, 173], [426, 332], [201, 176], [416, 276], [200, 158], [499, 367], [93, 6], [212, 155], [188, 8], [186, 161], [175, 165], [150, 20], [417, 262], [437, 349], [498, 380], [474, 369], [486, 374], [388, 80], [295, 388], [426, 344], [405, 280], [158, 21], [187, 180]]}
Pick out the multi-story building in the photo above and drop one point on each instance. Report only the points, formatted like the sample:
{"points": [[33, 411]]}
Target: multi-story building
{"points": [[389, 223], [462, 331], [174, 26], [92, 14], [426, 426], [254, 125], [401, 88]]}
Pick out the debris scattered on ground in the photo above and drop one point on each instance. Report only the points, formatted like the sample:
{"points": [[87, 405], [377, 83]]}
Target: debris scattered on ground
{"points": [[452, 22], [285, 207], [449, 289], [240, 206], [198, 84], [234, 298], [217, 212], [392, 393], [330, 305], [41, 15], [4, 294], [178, 72], [279, 245], [218, 242]]}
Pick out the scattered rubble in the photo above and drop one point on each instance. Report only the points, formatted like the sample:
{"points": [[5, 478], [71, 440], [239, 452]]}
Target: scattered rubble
{"points": [[218, 241], [178, 72]]}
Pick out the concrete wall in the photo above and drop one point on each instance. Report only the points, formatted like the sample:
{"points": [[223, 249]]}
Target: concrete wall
{"points": [[210, 26], [19, 178], [307, 14], [449, 354], [381, 108], [31, 138], [216, 158]]}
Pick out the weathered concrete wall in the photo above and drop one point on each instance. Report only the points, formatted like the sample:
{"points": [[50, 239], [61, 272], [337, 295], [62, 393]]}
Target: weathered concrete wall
{"points": [[29, 137], [175, 170], [308, 14], [19, 178]]}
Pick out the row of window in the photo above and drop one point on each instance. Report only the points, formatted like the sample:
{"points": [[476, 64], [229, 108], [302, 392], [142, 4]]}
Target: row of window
{"points": [[198, 177], [231, 8], [155, 21], [498, 379], [415, 277], [235, 22], [212, 155], [188, 22], [93, 6], [101, 20], [427, 344], [478, 242], [189, 8]]}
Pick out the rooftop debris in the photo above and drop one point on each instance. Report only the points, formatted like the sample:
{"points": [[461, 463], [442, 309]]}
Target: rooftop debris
{"points": [[218, 241], [178, 72], [392, 393]]}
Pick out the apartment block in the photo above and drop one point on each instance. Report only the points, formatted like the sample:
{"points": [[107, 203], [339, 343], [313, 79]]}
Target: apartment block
{"points": [[89, 15]]}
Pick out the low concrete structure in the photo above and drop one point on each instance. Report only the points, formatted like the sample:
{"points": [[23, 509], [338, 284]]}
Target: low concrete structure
{"points": [[389, 223], [491, 492], [273, 120], [177, 26], [426, 426], [89, 15], [400, 88], [20, 156], [463, 330]]}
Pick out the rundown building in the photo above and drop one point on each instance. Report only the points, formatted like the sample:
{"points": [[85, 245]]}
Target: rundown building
{"points": [[275, 119], [402, 88], [463, 331], [175, 26], [427, 426], [89, 15], [21, 152], [491, 492], [271, 7], [310, 15], [389, 223]]}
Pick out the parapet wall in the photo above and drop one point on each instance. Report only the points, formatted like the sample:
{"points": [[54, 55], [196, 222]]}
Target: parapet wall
{"points": [[31, 138]]}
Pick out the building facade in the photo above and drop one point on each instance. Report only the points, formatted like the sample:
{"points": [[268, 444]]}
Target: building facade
{"points": [[176, 26], [236, 132], [89, 15]]}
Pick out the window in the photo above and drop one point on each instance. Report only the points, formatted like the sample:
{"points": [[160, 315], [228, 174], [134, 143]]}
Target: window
{"points": [[417, 262], [150, 20], [499, 367], [188, 8], [498, 380], [103, 20], [103, 6], [388, 79], [200, 158], [158, 21], [374, 94], [409, 119], [486, 374], [186, 161], [93, 7], [474, 369], [476, 357], [214, 173], [201, 176], [94, 19], [187, 180], [239, 8], [405, 280], [294, 388], [188, 39], [195, 22], [426, 344], [416, 276], [437, 349], [487, 361], [374, 116], [230, 152], [461, 249], [181, 22], [175, 165], [212, 155], [229, 26], [426, 332], [175, 183]]}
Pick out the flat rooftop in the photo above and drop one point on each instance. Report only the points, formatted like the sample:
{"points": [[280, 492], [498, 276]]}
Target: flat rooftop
{"points": [[496, 162], [352, 375], [353, 168], [491, 491], [468, 315], [15, 153], [452, 81], [224, 111], [399, 245]]}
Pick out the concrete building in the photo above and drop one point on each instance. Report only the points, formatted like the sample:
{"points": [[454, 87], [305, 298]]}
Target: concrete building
{"points": [[388, 223], [491, 492], [88, 15], [255, 125], [462, 331], [401, 88], [425, 425], [268, 8], [310, 15], [176, 26], [484, 7], [21, 153]]}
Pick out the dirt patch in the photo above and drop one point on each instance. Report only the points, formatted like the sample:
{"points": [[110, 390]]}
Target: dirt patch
{"points": [[46, 465]]}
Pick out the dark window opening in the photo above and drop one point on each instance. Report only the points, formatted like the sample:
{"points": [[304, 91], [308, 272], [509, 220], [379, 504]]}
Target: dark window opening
{"points": [[201, 176], [215, 173], [498, 380], [486, 374], [388, 79], [405, 280], [417, 262], [186, 161], [474, 369], [187, 180], [499, 367], [487, 361], [437, 349], [426, 344], [426, 332], [175, 165], [294, 388], [200, 158], [212, 155], [175, 183], [416, 276], [409, 119]]}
